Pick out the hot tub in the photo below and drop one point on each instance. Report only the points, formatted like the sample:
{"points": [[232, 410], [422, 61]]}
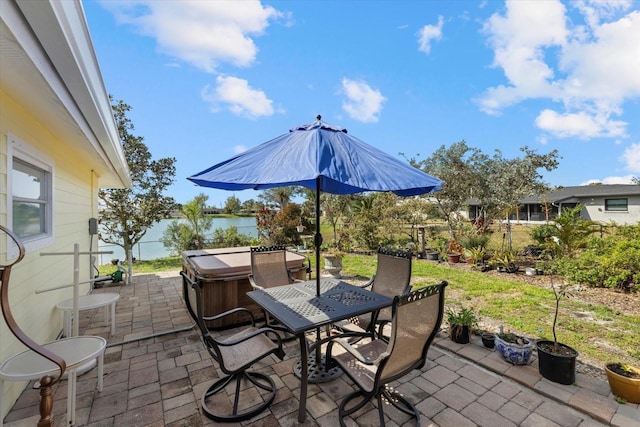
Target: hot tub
{"points": [[224, 274]]}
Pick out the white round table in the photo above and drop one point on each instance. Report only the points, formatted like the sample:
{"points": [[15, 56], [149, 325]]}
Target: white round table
{"points": [[75, 351], [87, 302]]}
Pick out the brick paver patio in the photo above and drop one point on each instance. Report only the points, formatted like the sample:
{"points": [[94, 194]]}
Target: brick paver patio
{"points": [[156, 369]]}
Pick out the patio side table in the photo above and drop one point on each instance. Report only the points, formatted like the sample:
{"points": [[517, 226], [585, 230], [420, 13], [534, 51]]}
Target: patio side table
{"points": [[88, 302], [75, 351]]}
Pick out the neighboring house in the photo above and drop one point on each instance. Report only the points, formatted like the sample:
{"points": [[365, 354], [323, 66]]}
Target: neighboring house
{"points": [[603, 203], [58, 145]]}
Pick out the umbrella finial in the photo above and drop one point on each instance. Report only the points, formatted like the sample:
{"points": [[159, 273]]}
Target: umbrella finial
{"points": [[318, 117]]}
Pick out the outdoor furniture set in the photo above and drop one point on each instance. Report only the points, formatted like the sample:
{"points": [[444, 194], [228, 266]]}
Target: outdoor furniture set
{"points": [[295, 308]]}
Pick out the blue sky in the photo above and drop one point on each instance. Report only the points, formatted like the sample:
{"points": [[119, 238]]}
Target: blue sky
{"points": [[209, 79]]}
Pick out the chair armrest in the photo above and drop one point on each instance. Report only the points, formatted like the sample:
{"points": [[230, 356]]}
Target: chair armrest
{"points": [[369, 283], [253, 283], [354, 352], [249, 335], [229, 313]]}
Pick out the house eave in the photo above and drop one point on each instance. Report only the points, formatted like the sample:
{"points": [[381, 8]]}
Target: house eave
{"points": [[49, 67]]}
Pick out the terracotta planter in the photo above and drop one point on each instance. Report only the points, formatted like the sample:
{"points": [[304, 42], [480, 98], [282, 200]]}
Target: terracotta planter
{"points": [[624, 387], [453, 258]]}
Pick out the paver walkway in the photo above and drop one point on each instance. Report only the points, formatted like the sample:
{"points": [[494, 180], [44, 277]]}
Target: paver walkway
{"points": [[156, 369]]}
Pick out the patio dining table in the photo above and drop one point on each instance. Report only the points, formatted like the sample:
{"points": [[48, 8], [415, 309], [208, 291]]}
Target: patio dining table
{"points": [[299, 310]]}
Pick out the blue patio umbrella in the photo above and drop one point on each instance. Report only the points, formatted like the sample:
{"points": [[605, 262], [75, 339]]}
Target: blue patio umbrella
{"points": [[320, 157]]}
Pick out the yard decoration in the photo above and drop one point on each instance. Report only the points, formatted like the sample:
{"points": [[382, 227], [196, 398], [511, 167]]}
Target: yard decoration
{"points": [[624, 381]]}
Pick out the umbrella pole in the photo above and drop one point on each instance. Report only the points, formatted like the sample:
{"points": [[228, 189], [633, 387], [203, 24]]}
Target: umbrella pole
{"points": [[318, 237]]}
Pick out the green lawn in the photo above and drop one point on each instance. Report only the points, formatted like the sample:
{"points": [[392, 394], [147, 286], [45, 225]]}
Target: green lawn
{"points": [[594, 330]]}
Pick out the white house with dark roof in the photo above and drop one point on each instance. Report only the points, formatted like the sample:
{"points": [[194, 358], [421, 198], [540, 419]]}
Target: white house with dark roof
{"points": [[617, 203]]}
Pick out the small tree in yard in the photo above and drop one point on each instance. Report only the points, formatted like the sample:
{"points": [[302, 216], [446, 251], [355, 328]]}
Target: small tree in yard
{"points": [[129, 212], [190, 233]]}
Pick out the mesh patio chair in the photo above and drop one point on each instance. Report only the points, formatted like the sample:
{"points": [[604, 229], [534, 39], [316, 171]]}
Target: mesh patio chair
{"points": [[392, 278], [372, 366], [269, 269], [235, 354]]}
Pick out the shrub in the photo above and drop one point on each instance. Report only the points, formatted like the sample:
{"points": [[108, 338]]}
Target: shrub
{"points": [[474, 241], [612, 261], [541, 233]]}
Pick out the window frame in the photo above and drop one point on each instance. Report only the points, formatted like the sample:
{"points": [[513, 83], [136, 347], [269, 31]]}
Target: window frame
{"points": [[608, 200], [19, 149]]}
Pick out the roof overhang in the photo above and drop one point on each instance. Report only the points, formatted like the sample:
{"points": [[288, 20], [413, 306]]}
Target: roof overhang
{"points": [[49, 67]]}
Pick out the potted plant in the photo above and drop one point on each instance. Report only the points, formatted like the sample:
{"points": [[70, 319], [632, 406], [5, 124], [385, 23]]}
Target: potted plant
{"points": [[514, 348], [461, 324], [624, 381], [556, 361], [488, 339], [505, 261], [333, 262], [453, 252]]}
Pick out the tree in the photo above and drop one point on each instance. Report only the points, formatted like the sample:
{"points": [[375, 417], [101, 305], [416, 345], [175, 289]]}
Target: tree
{"points": [[458, 166], [571, 232], [232, 205], [190, 233], [497, 183], [279, 196], [334, 207], [514, 179], [129, 212], [250, 205], [279, 228]]}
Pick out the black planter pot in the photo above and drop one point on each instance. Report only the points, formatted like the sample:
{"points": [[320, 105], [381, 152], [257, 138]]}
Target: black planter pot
{"points": [[433, 256], [559, 368], [488, 340], [460, 333]]}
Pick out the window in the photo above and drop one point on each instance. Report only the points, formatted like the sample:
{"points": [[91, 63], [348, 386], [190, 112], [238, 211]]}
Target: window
{"points": [[616, 205], [30, 194]]}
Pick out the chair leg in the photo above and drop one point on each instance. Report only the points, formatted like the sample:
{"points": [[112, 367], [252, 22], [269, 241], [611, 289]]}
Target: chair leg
{"points": [[395, 399], [401, 404], [343, 412], [259, 380]]}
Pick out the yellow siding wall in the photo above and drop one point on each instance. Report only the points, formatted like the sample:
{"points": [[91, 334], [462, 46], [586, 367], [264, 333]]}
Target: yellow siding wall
{"points": [[75, 201]]}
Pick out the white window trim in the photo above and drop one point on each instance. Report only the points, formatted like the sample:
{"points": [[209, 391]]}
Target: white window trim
{"points": [[23, 151]]}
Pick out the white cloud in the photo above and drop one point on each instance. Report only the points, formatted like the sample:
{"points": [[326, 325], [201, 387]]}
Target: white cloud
{"points": [[589, 70], [362, 102], [238, 149], [631, 158], [202, 33], [238, 97], [611, 180], [581, 125], [429, 33]]}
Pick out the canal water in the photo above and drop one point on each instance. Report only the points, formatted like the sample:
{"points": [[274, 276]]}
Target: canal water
{"points": [[150, 247]]}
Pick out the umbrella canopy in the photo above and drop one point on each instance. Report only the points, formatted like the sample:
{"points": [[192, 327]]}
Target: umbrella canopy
{"points": [[320, 157]]}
